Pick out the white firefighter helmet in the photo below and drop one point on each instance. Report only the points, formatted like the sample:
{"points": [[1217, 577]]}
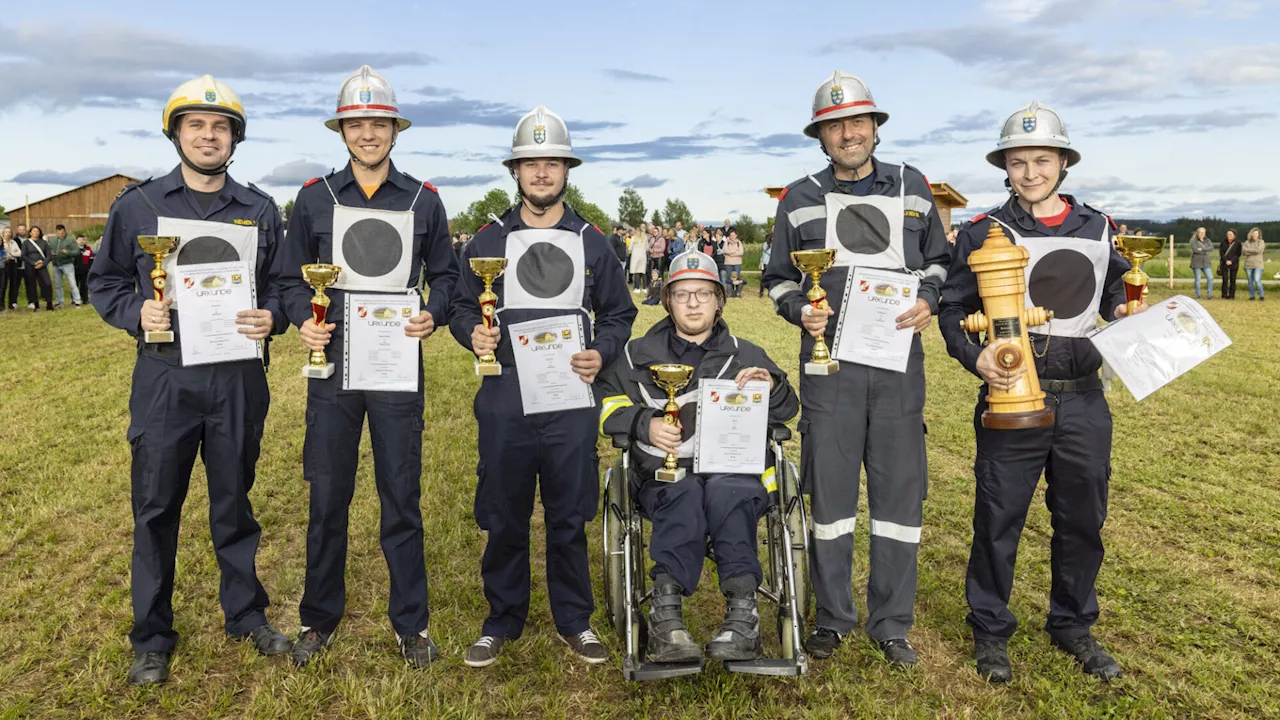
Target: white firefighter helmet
{"points": [[366, 93], [692, 265], [1033, 125], [842, 95], [541, 134], [204, 94]]}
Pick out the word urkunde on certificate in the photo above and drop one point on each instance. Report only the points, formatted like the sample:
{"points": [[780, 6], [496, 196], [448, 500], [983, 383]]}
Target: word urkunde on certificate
{"points": [[208, 297], [544, 350]]}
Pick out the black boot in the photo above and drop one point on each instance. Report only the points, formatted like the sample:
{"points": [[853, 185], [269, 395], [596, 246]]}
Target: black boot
{"points": [[149, 668], [669, 639], [739, 635], [992, 657], [1092, 658]]}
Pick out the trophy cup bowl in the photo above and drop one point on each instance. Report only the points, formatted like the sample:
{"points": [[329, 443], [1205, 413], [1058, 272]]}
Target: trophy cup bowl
{"points": [[158, 247], [319, 276], [672, 378], [488, 269], [814, 263], [1137, 249]]}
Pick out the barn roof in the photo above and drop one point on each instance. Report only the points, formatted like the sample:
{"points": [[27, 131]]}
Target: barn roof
{"points": [[67, 192]]}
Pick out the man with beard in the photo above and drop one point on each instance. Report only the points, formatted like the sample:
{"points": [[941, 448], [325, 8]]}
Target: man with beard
{"points": [[1081, 278], [176, 411], [388, 232], [558, 264], [874, 215]]}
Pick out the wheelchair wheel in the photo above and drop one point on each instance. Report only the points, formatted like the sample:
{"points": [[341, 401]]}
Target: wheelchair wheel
{"points": [[793, 554], [615, 591], [798, 521]]}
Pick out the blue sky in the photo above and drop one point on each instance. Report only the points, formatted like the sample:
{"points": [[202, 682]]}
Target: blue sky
{"points": [[1172, 103]]}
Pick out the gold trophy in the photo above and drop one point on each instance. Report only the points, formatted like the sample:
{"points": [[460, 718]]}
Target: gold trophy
{"points": [[1002, 284], [319, 276], [671, 378], [816, 262], [1137, 249], [488, 268], [158, 247]]}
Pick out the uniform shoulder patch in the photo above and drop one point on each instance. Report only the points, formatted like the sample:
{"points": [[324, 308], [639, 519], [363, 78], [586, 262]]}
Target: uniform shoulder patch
{"points": [[430, 187], [783, 195], [311, 182], [482, 227], [978, 218], [597, 227]]}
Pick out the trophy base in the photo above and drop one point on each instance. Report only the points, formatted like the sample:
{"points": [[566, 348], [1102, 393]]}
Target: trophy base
{"points": [[487, 369], [319, 372], [670, 476], [1018, 420], [821, 368], [157, 336]]}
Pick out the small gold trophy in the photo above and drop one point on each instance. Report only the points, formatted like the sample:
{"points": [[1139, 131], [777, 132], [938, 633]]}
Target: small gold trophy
{"points": [[816, 262], [158, 247], [319, 276], [1137, 249], [1002, 284], [488, 268], [671, 378]]}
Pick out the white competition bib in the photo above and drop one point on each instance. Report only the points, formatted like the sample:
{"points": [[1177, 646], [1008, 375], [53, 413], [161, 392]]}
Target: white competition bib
{"points": [[201, 242], [546, 269], [1065, 275], [374, 248], [866, 231]]}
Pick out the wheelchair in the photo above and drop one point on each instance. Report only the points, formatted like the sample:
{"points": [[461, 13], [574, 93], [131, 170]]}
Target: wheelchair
{"points": [[785, 572]]}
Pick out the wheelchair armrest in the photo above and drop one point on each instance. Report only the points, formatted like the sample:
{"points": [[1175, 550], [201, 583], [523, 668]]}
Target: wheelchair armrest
{"points": [[779, 432], [622, 441]]}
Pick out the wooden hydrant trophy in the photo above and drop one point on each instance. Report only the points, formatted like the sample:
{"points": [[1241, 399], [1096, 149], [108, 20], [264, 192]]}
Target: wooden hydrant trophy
{"points": [[1000, 268]]}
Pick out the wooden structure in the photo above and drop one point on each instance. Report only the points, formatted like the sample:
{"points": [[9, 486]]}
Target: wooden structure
{"points": [[945, 197], [78, 208]]}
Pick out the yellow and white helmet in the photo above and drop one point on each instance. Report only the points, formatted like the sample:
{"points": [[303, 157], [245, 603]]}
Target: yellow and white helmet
{"points": [[204, 94], [366, 93]]}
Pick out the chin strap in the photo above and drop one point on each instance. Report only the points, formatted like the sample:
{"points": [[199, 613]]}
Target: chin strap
{"points": [[395, 135], [209, 173], [534, 209]]}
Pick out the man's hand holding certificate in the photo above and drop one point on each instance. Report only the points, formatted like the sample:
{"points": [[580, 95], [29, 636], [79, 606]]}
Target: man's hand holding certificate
{"points": [[214, 300]]}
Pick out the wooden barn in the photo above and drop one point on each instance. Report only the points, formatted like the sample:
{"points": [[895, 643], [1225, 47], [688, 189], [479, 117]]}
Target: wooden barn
{"points": [[79, 208], [945, 197]]}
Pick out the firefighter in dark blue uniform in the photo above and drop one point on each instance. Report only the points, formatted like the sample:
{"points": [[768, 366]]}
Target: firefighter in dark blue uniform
{"points": [[388, 232], [1080, 279], [558, 264], [175, 411]]}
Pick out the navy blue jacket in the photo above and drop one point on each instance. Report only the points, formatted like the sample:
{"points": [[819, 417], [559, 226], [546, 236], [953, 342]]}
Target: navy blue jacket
{"points": [[120, 277], [606, 292], [310, 240], [1067, 358]]}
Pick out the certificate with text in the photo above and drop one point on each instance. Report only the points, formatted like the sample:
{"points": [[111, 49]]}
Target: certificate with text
{"points": [[543, 351], [733, 427], [208, 296], [867, 332], [377, 355]]}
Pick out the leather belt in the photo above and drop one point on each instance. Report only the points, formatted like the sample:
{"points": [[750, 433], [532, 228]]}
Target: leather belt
{"points": [[1081, 384]]}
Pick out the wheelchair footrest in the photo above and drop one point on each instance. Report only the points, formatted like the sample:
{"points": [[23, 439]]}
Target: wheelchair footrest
{"points": [[769, 666], [642, 672]]}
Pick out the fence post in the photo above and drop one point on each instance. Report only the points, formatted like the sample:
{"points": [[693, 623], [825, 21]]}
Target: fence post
{"points": [[1170, 262]]}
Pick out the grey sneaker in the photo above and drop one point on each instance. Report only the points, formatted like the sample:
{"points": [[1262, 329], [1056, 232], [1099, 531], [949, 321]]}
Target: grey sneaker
{"points": [[587, 646], [484, 651]]}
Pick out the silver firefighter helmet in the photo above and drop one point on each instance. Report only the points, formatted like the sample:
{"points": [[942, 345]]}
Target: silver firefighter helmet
{"points": [[1033, 125], [541, 134], [366, 93], [842, 95]]}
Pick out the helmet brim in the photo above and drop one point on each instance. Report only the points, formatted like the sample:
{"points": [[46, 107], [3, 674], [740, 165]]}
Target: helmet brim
{"points": [[212, 110], [335, 123], [812, 128], [996, 157], [571, 160]]}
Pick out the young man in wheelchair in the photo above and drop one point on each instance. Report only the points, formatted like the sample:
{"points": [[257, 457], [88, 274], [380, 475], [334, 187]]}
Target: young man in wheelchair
{"points": [[725, 508]]}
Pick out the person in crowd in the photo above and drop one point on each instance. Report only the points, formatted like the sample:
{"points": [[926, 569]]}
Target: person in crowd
{"points": [[1253, 251], [638, 247], [64, 253], [676, 246], [726, 228], [1229, 264], [733, 252], [654, 295], [717, 254], [765, 253], [679, 232], [951, 235], [618, 240], [35, 254], [10, 269], [657, 250], [83, 261], [1201, 246]]}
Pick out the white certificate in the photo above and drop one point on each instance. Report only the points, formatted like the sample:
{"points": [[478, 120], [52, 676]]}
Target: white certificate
{"points": [[733, 427], [376, 353], [1148, 351], [543, 350], [208, 296], [867, 333]]}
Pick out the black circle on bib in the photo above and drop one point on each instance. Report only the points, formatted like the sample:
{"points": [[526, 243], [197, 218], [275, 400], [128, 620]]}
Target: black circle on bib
{"points": [[1062, 281], [544, 271], [863, 229], [372, 247], [206, 249]]}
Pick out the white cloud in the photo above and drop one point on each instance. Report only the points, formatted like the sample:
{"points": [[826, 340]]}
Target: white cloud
{"points": [[1247, 65], [293, 174]]}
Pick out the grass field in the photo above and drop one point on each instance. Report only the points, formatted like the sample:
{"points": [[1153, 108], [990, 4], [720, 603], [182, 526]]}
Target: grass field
{"points": [[1190, 591]]}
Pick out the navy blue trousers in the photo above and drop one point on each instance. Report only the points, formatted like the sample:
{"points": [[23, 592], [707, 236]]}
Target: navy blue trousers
{"points": [[684, 514], [335, 420], [216, 411], [1075, 456], [556, 454]]}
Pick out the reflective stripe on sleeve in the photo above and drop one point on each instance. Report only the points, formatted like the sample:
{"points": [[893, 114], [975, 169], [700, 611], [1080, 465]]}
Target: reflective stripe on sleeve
{"points": [[768, 480], [610, 405]]}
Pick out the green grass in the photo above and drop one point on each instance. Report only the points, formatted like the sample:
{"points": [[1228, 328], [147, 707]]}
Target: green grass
{"points": [[1190, 591], [1158, 268]]}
